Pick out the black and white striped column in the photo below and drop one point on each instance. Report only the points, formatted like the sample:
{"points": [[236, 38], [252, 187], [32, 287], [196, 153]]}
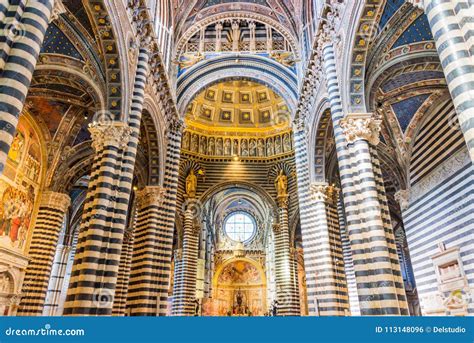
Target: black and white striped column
{"points": [[452, 27], [23, 38], [348, 262], [121, 291], [285, 279], [96, 266], [152, 252], [49, 222], [377, 288], [184, 288]]}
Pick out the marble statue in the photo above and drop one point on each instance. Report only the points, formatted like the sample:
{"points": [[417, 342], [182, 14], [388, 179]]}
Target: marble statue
{"points": [[244, 148], [227, 147], [186, 141], [278, 145], [252, 147], [269, 147], [195, 143], [210, 146], [219, 147], [203, 145], [286, 142], [235, 149], [261, 148]]}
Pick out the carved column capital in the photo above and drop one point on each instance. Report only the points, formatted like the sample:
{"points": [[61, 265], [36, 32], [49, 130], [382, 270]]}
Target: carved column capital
{"points": [[319, 191], [282, 201], [52, 199], [176, 126], [417, 3], [276, 228], [403, 198], [57, 10], [150, 195], [361, 126], [110, 134]]}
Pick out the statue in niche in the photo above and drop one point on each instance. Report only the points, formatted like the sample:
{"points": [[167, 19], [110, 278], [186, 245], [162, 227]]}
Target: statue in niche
{"points": [[5, 283], [252, 147], [227, 147], [191, 184], [235, 149], [186, 141], [244, 148], [203, 146], [286, 142], [269, 147], [281, 184], [195, 143], [210, 146], [219, 147], [278, 145], [261, 148]]}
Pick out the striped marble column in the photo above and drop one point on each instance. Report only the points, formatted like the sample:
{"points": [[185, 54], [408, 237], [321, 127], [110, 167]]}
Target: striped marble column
{"points": [[152, 252], [285, 279], [374, 244], [96, 266], [24, 39], [348, 262], [123, 278], [377, 289], [184, 288], [48, 225], [389, 234], [451, 23], [94, 273]]}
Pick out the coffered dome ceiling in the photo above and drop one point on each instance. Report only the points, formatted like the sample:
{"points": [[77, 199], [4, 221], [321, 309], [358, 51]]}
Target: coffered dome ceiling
{"points": [[238, 107]]}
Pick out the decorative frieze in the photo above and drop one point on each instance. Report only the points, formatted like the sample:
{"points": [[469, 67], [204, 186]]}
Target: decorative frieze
{"points": [[237, 146], [361, 126]]}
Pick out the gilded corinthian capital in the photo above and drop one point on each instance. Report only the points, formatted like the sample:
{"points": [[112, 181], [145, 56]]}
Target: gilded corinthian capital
{"points": [[361, 126]]}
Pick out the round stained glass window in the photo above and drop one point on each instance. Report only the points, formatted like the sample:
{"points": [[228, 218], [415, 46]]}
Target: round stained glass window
{"points": [[239, 226]]}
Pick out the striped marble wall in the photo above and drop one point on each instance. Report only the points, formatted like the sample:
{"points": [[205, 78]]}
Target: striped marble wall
{"points": [[441, 205]]}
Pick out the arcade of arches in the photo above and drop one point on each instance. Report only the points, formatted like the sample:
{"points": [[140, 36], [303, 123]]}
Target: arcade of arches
{"points": [[236, 158]]}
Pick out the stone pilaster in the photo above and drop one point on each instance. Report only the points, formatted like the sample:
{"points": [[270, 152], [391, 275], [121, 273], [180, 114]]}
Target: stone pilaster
{"points": [[184, 288], [152, 252], [49, 222], [285, 278]]}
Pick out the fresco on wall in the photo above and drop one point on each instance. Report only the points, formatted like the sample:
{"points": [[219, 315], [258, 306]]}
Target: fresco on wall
{"points": [[240, 291], [18, 187]]}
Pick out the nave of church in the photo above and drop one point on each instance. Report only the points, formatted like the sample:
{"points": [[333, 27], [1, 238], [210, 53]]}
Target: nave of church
{"points": [[236, 158]]}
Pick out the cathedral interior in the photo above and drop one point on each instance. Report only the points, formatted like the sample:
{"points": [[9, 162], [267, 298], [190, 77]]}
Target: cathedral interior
{"points": [[236, 158]]}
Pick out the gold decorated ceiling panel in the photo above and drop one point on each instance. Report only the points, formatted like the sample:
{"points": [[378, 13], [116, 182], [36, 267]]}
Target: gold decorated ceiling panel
{"points": [[237, 106]]}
